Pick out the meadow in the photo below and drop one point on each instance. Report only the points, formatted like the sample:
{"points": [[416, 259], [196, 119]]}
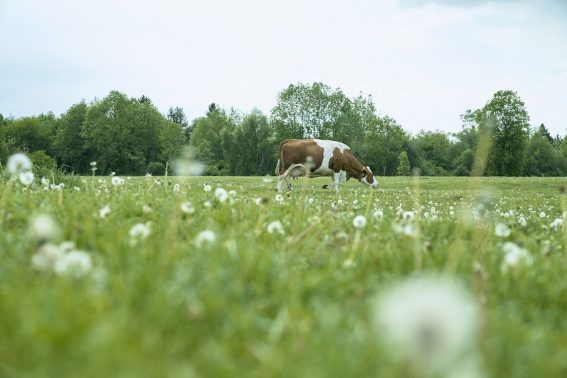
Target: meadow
{"points": [[222, 276]]}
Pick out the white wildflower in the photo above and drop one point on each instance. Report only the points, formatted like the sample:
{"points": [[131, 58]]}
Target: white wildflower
{"points": [[75, 263], [117, 181], [43, 228], [104, 211], [378, 214], [557, 223], [203, 237], [279, 198], [359, 222], [207, 188], [187, 207], [45, 181], [515, 255], [232, 193], [522, 221], [275, 226], [176, 187], [26, 178], [429, 322], [408, 216], [18, 163], [501, 230], [221, 194], [46, 257], [139, 231], [542, 214]]}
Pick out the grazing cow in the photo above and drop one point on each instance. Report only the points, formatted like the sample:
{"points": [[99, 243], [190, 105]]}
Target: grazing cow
{"points": [[320, 158]]}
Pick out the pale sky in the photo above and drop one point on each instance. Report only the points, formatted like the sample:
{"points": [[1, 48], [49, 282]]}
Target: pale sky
{"points": [[424, 62]]}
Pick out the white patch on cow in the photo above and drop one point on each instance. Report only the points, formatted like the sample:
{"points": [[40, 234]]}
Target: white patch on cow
{"points": [[328, 147]]}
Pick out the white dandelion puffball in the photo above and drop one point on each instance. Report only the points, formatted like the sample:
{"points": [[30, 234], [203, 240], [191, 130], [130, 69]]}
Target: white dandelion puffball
{"points": [[75, 263], [46, 257], [378, 214], [557, 223], [515, 256], [221, 194], [18, 163], [207, 204], [279, 198], [428, 321], [45, 181], [501, 230], [26, 178], [176, 188], [103, 212], [275, 227], [117, 181], [43, 227], [542, 214], [207, 188], [206, 236], [187, 207], [522, 221], [359, 222], [139, 231]]}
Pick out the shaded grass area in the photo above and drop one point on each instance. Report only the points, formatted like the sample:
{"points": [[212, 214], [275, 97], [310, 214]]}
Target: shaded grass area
{"points": [[253, 303]]}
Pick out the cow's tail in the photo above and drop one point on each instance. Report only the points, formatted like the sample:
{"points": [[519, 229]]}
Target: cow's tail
{"points": [[278, 168]]}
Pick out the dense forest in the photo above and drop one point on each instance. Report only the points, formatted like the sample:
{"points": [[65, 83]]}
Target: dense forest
{"points": [[129, 136]]}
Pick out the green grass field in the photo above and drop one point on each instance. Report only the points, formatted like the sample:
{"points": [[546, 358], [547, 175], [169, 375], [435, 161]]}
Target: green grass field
{"points": [[300, 300]]}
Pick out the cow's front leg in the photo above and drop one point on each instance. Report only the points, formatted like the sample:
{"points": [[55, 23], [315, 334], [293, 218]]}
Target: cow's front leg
{"points": [[336, 180], [280, 183]]}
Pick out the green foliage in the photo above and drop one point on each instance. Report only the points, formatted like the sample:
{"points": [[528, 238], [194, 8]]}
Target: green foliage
{"points": [[156, 168], [68, 144], [508, 120], [27, 134], [434, 151], [171, 140], [121, 134], [207, 139], [543, 158], [317, 111], [383, 141], [404, 165], [41, 160]]}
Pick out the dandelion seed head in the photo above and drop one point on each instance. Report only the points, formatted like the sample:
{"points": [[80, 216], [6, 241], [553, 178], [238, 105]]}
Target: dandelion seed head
{"points": [[43, 228], [26, 178], [275, 227], [75, 263], [187, 207], [501, 230], [18, 163], [428, 321], [221, 194], [359, 222], [205, 237]]}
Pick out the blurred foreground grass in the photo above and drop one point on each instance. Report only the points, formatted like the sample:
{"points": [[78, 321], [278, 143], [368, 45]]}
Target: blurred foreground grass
{"points": [[292, 303]]}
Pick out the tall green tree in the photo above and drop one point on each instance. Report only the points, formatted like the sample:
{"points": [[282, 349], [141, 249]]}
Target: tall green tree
{"points": [[68, 144], [542, 157], [508, 118], [28, 134], [317, 111], [207, 138], [404, 165], [383, 141], [178, 116], [250, 149], [121, 134], [433, 149]]}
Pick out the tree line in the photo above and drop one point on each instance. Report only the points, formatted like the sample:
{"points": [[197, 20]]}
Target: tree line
{"points": [[129, 136]]}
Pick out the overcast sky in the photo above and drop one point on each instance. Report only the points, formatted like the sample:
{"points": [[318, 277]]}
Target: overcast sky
{"points": [[424, 62]]}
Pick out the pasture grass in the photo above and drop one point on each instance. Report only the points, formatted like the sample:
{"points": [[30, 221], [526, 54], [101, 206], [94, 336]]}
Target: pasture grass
{"points": [[260, 304]]}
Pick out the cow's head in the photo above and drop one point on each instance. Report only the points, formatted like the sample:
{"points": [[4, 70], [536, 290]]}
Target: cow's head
{"points": [[368, 178]]}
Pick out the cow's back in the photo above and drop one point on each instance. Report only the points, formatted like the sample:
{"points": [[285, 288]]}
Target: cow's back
{"points": [[300, 151]]}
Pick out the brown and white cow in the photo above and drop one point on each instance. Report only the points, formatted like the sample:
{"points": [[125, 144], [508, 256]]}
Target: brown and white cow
{"points": [[320, 158]]}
